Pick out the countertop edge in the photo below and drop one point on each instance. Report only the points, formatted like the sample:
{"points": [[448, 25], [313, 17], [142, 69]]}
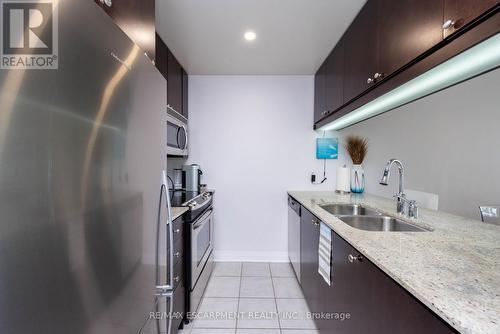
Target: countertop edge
{"points": [[178, 211]]}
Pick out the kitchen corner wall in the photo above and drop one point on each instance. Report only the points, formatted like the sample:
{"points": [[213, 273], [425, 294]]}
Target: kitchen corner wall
{"points": [[449, 143], [253, 138]]}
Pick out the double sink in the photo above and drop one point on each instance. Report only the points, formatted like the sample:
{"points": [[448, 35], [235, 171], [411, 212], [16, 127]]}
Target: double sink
{"points": [[367, 219]]}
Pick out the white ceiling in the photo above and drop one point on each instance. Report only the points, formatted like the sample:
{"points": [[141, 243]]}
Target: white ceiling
{"points": [[293, 36]]}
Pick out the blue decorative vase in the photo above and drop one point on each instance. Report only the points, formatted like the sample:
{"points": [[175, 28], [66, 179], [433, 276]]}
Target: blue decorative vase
{"points": [[357, 179]]}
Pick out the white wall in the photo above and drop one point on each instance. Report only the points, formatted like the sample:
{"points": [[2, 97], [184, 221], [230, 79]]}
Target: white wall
{"points": [[253, 137], [449, 143]]}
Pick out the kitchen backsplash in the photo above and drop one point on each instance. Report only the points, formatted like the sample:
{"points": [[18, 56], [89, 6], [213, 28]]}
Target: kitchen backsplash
{"points": [[448, 143]]}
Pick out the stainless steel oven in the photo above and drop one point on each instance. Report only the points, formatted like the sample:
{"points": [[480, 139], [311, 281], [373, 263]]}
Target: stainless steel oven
{"points": [[201, 256], [201, 247], [177, 136]]}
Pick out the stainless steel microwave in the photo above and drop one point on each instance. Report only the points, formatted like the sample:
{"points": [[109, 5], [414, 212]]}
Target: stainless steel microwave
{"points": [[177, 137]]}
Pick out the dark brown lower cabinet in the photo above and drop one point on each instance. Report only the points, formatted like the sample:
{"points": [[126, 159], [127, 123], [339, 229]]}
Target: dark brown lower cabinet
{"points": [[179, 275], [361, 298], [311, 281]]}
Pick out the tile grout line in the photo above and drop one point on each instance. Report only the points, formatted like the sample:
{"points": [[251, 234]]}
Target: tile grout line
{"points": [[239, 297], [275, 301], [271, 276]]}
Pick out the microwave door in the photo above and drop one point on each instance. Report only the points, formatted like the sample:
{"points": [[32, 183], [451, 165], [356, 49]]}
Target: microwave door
{"points": [[176, 137]]}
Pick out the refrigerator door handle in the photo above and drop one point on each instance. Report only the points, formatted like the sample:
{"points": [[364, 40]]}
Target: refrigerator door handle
{"points": [[169, 285], [170, 311]]}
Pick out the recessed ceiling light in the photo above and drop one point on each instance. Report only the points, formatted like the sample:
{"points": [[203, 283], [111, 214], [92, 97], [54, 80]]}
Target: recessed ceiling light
{"points": [[250, 35]]}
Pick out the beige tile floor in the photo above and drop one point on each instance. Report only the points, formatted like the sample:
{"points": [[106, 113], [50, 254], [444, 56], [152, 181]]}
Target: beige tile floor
{"points": [[252, 298]]}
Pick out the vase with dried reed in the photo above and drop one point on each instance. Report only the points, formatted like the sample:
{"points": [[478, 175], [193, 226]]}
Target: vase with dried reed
{"points": [[357, 147]]}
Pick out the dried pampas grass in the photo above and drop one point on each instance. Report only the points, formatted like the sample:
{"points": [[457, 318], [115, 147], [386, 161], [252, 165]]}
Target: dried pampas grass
{"points": [[357, 147]]}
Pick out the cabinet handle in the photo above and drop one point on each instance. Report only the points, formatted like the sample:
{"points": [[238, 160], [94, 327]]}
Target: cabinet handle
{"points": [[448, 24], [176, 254], [121, 61], [177, 231], [370, 81], [176, 279], [108, 3], [353, 258], [315, 222]]}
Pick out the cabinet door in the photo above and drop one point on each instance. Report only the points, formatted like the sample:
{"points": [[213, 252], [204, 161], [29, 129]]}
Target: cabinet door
{"points": [[407, 28], [391, 309], [185, 79], [174, 83], [339, 297], [311, 282], [136, 19], [319, 93], [375, 302], [334, 79], [161, 56], [361, 56], [461, 12]]}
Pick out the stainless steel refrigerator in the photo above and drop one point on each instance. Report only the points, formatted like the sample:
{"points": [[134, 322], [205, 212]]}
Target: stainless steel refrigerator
{"points": [[84, 218]]}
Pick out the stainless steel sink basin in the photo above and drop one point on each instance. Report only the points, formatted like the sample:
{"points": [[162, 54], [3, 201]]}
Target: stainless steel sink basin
{"points": [[380, 223], [349, 210]]}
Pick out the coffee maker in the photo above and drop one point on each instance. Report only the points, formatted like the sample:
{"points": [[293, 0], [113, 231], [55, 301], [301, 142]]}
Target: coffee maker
{"points": [[191, 177]]}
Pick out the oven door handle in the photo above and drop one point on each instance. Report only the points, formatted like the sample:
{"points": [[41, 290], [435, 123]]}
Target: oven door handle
{"points": [[203, 220]]}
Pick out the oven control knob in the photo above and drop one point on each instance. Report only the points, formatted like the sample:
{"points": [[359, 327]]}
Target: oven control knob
{"points": [[192, 205]]}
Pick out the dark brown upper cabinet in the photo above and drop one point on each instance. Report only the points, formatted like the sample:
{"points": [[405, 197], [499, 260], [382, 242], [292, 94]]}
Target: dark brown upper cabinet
{"points": [[406, 29], [334, 78], [319, 93], [161, 56], [136, 19], [329, 84], [185, 79], [361, 45], [391, 42], [177, 78], [174, 83], [458, 13]]}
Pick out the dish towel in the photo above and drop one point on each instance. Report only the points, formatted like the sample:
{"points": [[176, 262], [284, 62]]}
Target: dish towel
{"points": [[325, 253]]}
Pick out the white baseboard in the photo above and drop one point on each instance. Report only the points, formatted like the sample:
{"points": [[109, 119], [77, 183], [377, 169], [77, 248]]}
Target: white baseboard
{"points": [[237, 256]]}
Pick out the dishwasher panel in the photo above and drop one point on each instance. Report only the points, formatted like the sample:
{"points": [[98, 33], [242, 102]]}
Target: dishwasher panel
{"points": [[294, 235]]}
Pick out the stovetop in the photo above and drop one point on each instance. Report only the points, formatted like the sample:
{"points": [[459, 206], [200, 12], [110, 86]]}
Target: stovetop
{"points": [[197, 202]]}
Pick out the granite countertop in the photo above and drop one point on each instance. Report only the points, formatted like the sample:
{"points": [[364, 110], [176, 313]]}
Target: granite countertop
{"points": [[453, 269], [178, 211]]}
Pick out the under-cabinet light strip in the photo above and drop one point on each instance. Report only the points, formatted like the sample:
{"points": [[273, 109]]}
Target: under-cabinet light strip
{"points": [[478, 59]]}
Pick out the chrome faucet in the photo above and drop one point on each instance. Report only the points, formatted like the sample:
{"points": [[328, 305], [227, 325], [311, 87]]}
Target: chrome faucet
{"points": [[404, 206]]}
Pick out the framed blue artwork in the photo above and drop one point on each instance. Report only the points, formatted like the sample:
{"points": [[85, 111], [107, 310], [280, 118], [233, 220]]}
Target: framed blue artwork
{"points": [[327, 148]]}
